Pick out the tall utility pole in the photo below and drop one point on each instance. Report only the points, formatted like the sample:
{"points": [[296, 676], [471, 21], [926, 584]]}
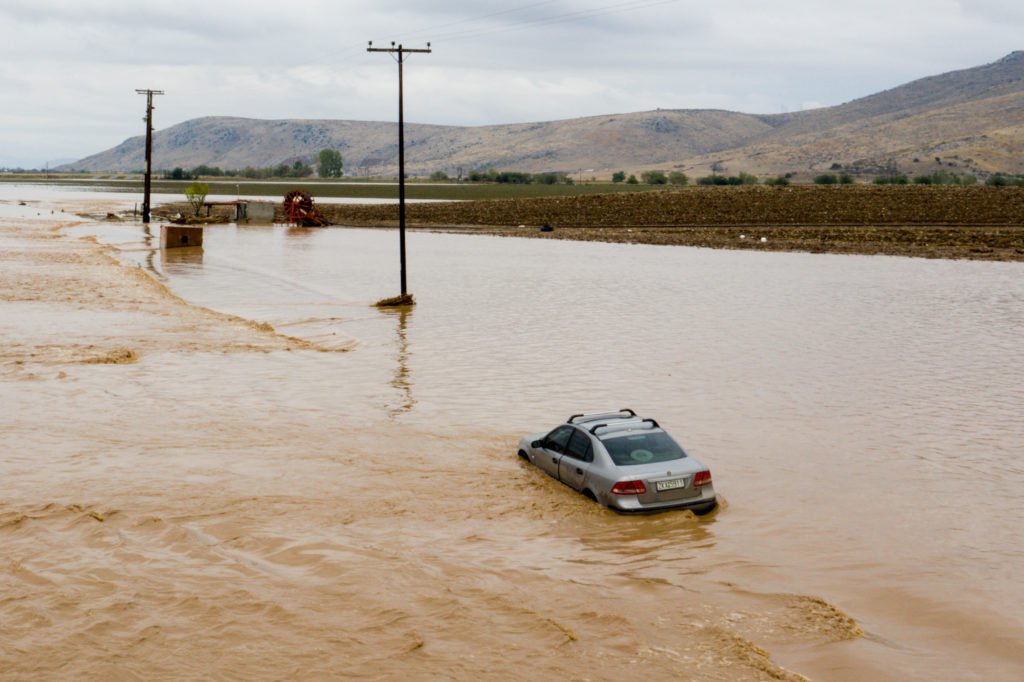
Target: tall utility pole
{"points": [[401, 53], [149, 147]]}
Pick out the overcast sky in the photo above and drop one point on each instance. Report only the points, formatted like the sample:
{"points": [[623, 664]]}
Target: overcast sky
{"points": [[69, 68]]}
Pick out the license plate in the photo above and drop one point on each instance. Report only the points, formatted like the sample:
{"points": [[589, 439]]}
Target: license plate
{"points": [[662, 486]]}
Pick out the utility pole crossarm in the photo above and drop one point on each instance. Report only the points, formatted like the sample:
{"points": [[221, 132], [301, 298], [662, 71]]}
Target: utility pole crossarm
{"points": [[398, 48]]}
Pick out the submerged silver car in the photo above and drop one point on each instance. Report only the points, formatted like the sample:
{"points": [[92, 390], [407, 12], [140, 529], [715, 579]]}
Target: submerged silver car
{"points": [[623, 461]]}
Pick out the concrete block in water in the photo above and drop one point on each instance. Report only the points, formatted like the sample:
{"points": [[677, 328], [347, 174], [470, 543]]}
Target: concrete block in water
{"points": [[256, 212], [176, 236]]}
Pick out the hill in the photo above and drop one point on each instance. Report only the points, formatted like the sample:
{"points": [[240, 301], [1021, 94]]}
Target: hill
{"points": [[969, 121]]}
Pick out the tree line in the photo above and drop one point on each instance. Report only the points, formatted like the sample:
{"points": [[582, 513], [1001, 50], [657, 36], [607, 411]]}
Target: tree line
{"points": [[511, 177], [936, 178], [328, 165]]}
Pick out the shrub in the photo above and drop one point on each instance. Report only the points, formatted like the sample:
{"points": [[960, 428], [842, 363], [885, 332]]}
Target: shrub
{"points": [[438, 175], [653, 177], [780, 181], [845, 179], [678, 178], [632, 180], [196, 195], [826, 179], [619, 176]]}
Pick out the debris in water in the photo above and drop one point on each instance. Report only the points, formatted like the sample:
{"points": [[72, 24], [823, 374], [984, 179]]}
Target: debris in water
{"points": [[404, 299]]}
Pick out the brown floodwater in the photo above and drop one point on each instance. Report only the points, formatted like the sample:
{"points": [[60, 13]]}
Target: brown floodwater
{"points": [[208, 499]]}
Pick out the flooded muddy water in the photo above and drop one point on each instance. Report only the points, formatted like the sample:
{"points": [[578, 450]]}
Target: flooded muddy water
{"points": [[340, 495]]}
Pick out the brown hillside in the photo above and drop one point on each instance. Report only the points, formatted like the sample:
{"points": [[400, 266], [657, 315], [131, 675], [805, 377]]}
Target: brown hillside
{"points": [[971, 119]]}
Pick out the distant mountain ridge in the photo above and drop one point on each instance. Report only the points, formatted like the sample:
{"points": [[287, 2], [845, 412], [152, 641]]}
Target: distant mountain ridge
{"points": [[971, 120]]}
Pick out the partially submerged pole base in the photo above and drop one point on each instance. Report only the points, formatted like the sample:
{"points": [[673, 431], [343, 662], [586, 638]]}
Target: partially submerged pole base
{"points": [[396, 301]]}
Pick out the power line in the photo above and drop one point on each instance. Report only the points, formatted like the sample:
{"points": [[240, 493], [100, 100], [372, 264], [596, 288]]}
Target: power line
{"points": [[482, 16], [617, 8], [473, 33]]}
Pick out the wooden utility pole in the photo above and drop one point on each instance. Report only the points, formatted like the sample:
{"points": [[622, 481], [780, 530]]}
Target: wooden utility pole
{"points": [[149, 148], [401, 53]]}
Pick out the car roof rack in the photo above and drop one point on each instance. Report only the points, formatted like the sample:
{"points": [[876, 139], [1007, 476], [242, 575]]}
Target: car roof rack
{"points": [[628, 425], [603, 413]]}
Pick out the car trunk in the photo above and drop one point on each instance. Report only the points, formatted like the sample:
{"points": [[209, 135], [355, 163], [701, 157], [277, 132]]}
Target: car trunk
{"points": [[668, 481]]}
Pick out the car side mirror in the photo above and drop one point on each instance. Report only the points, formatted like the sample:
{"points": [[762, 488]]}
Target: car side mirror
{"points": [[537, 444]]}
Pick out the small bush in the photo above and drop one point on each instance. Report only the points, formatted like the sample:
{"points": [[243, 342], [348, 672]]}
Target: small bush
{"points": [[826, 179], [891, 180], [780, 181], [196, 195], [677, 178], [654, 178]]}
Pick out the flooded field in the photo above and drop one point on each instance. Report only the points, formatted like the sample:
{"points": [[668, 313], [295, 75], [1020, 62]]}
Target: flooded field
{"points": [[224, 463]]}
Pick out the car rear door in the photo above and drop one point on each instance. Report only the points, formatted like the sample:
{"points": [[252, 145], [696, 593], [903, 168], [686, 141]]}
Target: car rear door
{"points": [[573, 467], [552, 449]]}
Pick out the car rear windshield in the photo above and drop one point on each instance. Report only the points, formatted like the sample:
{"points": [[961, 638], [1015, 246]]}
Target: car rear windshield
{"points": [[642, 448]]}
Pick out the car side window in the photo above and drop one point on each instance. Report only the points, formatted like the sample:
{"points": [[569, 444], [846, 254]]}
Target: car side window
{"points": [[579, 446], [558, 439]]}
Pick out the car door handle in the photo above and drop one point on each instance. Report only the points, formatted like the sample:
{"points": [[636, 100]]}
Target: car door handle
{"points": [[579, 471], [554, 460]]}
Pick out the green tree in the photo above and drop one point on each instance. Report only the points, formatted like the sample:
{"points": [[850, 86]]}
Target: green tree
{"points": [[619, 176], [678, 178], [826, 179], [438, 175], [329, 163], [196, 195], [632, 180], [654, 177], [301, 170]]}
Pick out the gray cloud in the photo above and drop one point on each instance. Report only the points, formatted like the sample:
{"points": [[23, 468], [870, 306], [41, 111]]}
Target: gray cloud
{"points": [[79, 61]]}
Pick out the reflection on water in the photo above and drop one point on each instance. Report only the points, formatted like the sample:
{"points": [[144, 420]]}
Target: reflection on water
{"points": [[179, 261], [402, 380]]}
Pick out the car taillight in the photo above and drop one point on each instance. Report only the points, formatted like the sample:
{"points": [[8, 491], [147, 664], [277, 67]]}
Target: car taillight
{"points": [[629, 488], [702, 478]]}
